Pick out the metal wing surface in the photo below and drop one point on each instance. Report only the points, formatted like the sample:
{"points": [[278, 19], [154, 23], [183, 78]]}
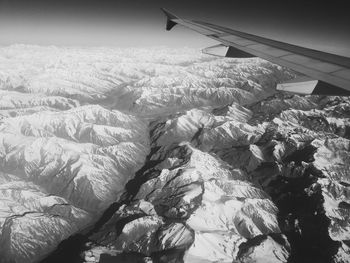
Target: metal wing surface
{"points": [[327, 74]]}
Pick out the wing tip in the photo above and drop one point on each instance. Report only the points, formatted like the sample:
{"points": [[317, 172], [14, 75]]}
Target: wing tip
{"points": [[170, 17]]}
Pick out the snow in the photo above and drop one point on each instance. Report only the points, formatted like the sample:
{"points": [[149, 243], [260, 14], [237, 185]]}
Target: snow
{"points": [[76, 124]]}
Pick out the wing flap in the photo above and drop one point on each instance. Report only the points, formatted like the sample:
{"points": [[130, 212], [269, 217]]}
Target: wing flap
{"points": [[238, 40], [226, 51], [312, 63], [303, 86], [308, 86], [343, 73], [217, 50], [270, 50]]}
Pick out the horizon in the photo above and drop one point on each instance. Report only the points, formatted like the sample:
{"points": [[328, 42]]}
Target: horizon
{"points": [[320, 26]]}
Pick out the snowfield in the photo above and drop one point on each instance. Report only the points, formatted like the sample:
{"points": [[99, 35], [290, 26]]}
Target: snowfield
{"points": [[167, 155]]}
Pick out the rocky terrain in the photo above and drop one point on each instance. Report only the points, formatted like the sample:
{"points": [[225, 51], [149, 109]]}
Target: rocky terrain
{"points": [[161, 155]]}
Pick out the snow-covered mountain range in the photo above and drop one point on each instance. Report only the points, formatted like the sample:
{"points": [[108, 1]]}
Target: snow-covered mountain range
{"points": [[162, 155]]}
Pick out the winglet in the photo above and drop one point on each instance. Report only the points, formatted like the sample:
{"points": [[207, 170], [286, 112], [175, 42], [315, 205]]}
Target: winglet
{"points": [[170, 17]]}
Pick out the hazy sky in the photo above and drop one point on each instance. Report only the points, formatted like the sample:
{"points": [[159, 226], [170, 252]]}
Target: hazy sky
{"points": [[319, 24]]}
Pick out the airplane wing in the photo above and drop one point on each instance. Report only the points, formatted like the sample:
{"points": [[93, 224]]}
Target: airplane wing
{"points": [[326, 74]]}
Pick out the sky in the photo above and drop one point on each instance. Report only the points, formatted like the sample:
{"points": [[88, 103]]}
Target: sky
{"points": [[322, 25]]}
